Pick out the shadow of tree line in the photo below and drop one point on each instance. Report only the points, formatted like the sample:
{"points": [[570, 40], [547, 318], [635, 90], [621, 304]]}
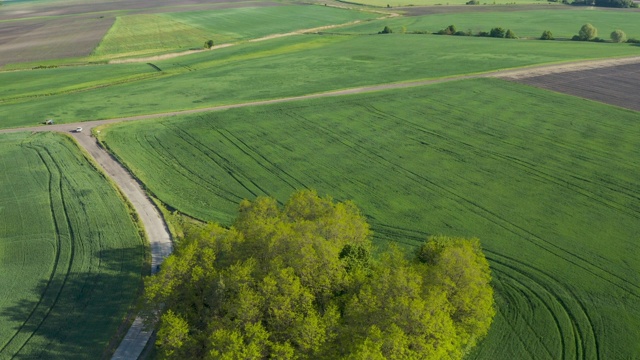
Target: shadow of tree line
{"points": [[77, 316]]}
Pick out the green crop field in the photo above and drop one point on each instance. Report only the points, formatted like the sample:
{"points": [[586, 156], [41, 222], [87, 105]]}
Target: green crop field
{"points": [[29, 85], [153, 33], [290, 66], [549, 186], [563, 22], [71, 259]]}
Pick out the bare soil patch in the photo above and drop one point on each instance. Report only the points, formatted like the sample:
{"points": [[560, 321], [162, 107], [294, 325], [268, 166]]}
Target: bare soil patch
{"points": [[617, 84], [78, 7], [34, 40], [67, 29]]}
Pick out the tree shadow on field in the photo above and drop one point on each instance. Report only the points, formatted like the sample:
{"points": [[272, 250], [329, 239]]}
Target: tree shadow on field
{"points": [[76, 315]]}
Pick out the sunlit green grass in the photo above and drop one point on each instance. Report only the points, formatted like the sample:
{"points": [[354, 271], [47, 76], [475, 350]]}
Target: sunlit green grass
{"points": [[548, 183], [154, 33], [292, 66], [71, 259], [65, 79], [563, 22]]}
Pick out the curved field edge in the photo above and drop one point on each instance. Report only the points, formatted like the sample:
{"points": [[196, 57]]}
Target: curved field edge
{"points": [[294, 66], [75, 305], [551, 193]]}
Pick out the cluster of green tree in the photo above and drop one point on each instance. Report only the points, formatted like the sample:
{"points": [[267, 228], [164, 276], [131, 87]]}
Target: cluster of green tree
{"points": [[208, 44], [547, 35], [299, 282], [44, 67], [386, 30], [496, 32], [607, 3], [589, 32]]}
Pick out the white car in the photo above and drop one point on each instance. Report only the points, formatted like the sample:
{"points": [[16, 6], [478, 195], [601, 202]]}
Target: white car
{"points": [[78, 129]]}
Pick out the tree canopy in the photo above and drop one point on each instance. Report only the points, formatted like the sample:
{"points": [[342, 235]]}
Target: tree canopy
{"points": [[587, 32], [618, 36], [300, 282], [615, 3], [546, 35], [386, 30]]}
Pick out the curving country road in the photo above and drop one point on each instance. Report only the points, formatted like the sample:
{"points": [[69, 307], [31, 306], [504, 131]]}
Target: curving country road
{"points": [[160, 241]]}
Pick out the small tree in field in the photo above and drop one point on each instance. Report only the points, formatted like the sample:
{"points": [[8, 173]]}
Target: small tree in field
{"points": [[546, 35], [587, 32], [510, 34], [386, 30], [208, 44], [497, 32], [618, 36]]}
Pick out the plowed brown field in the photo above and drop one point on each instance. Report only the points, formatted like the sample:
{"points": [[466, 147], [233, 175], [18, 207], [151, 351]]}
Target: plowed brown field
{"points": [[616, 85], [30, 33]]}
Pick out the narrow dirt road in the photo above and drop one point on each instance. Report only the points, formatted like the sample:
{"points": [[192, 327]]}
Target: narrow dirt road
{"points": [[160, 241], [155, 228], [159, 238], [518, 73]]}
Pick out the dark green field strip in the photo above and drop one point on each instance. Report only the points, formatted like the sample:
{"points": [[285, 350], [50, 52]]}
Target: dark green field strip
{"points": [[546, 181], [29, 84], [85, 289]]}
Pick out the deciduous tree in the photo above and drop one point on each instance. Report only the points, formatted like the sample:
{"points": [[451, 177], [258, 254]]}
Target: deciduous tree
{"points": [[587, 32], [546, 35], [618, 36], [299, 282]]}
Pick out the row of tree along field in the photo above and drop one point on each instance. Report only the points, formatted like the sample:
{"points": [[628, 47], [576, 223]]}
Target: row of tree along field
{"points": [[587, 33], [563, 22], [300, 282]]}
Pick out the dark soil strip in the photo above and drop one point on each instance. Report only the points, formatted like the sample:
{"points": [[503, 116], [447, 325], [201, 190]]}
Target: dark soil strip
{"points": [[615, 85]]}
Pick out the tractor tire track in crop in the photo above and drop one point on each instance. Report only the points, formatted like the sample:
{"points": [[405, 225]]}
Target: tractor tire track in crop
{"points": [[578, 338], [161, 247], [58, 243], [166, 154], [63, 229], [220, 161], [573, 323], [487, 214], [531, 169], [69, 227], [261, 160]]}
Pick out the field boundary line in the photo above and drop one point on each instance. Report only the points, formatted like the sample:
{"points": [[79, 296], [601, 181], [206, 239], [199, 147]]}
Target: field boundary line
{"points": [[505, 74]]}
